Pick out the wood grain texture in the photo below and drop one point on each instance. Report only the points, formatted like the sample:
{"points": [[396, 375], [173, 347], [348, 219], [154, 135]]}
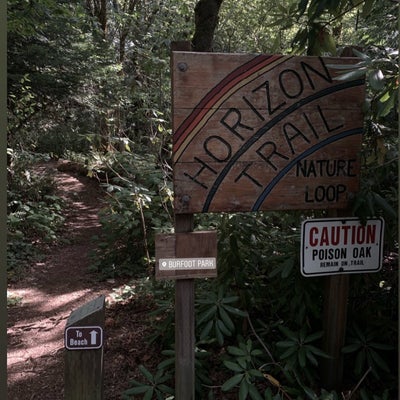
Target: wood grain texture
{"points": [[184, 325], [245, 126]]}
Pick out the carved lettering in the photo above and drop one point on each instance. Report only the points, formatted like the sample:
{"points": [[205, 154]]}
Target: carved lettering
{"points": [[325, 168], [204, 166], [214, 150], [268, 150], [244, 173], [237, 122], [273, 125]]}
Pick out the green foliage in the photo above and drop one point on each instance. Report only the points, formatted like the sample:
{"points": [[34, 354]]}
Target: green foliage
{"points": [[299, 356], [74, 87], [243, 364], [13, 299], [141, 288], [270, 31], [46, 66], [216, 315], [139, 205], [155, 386], [164, 374], [202, 376], [366, 346], [34, 212], [163, 316]]}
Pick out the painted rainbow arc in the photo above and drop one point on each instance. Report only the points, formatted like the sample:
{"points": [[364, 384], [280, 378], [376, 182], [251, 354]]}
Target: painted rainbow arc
{"points": [[210, 103]]}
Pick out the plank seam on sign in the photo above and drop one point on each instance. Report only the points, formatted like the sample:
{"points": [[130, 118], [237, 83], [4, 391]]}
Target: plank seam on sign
{"points": [[180, 148]]}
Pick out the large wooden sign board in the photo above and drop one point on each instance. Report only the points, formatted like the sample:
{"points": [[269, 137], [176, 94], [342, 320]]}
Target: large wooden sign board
{"points": [[265, 132]]}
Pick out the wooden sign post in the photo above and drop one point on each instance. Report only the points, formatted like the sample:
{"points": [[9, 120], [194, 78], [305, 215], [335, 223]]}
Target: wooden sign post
{"points": [[184, 325], [184, 256], [254, 133]]}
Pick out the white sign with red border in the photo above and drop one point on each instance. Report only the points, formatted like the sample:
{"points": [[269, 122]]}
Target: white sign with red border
{"points": [[341, 245]]}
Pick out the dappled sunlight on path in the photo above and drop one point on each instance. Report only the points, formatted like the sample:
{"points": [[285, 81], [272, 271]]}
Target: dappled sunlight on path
{"points": [[50, 291]]}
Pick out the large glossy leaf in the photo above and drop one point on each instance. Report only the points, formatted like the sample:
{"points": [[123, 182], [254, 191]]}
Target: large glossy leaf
{"points": [[254, 393], [376, 79], [149, 394], [384, 205], [206, 315], [236, 351], [146, 373], [243, 390], [233, 366], [224, 330], [226, 319], [206, 330], [235, 311], [232, 382], [138, 390]]}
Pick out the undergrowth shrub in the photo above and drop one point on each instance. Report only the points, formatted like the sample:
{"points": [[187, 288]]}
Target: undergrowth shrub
{"points": [[139, 205], [34, 211], [259, 323]]}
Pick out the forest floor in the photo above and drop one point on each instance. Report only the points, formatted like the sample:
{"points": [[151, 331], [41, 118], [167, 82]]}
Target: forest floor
{"points": [[51, 289]]}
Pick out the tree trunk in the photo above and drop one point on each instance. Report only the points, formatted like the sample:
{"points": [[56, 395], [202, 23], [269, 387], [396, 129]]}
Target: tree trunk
{"points": [[206, 21], [98, 9]]}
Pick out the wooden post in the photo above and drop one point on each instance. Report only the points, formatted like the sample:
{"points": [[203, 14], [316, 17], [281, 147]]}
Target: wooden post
{"points": [[335, 316], [184, 307], [83, 374], [184, 325], [334, 322], [334, 325]]}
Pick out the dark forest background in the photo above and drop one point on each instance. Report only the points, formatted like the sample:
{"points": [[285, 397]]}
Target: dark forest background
{"points": [[89, 82]]}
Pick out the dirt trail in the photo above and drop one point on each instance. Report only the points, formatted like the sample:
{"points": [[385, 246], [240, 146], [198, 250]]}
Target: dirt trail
{"points": [[50, 291]]}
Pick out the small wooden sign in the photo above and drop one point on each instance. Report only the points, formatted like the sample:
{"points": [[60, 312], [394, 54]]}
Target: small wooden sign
{"points": [[264, 132], [186, 255]]}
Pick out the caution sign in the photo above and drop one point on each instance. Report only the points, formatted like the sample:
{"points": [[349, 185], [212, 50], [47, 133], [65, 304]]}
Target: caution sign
{"points": [[341, 245]]}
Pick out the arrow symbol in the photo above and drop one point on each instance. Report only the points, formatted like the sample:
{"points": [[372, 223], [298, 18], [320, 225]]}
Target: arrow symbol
{"points": [[93, 337]]}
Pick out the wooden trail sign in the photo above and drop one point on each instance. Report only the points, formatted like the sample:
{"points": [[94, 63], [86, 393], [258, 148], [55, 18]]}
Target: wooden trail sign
{"points": [[264, 132], [186, 255]]}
